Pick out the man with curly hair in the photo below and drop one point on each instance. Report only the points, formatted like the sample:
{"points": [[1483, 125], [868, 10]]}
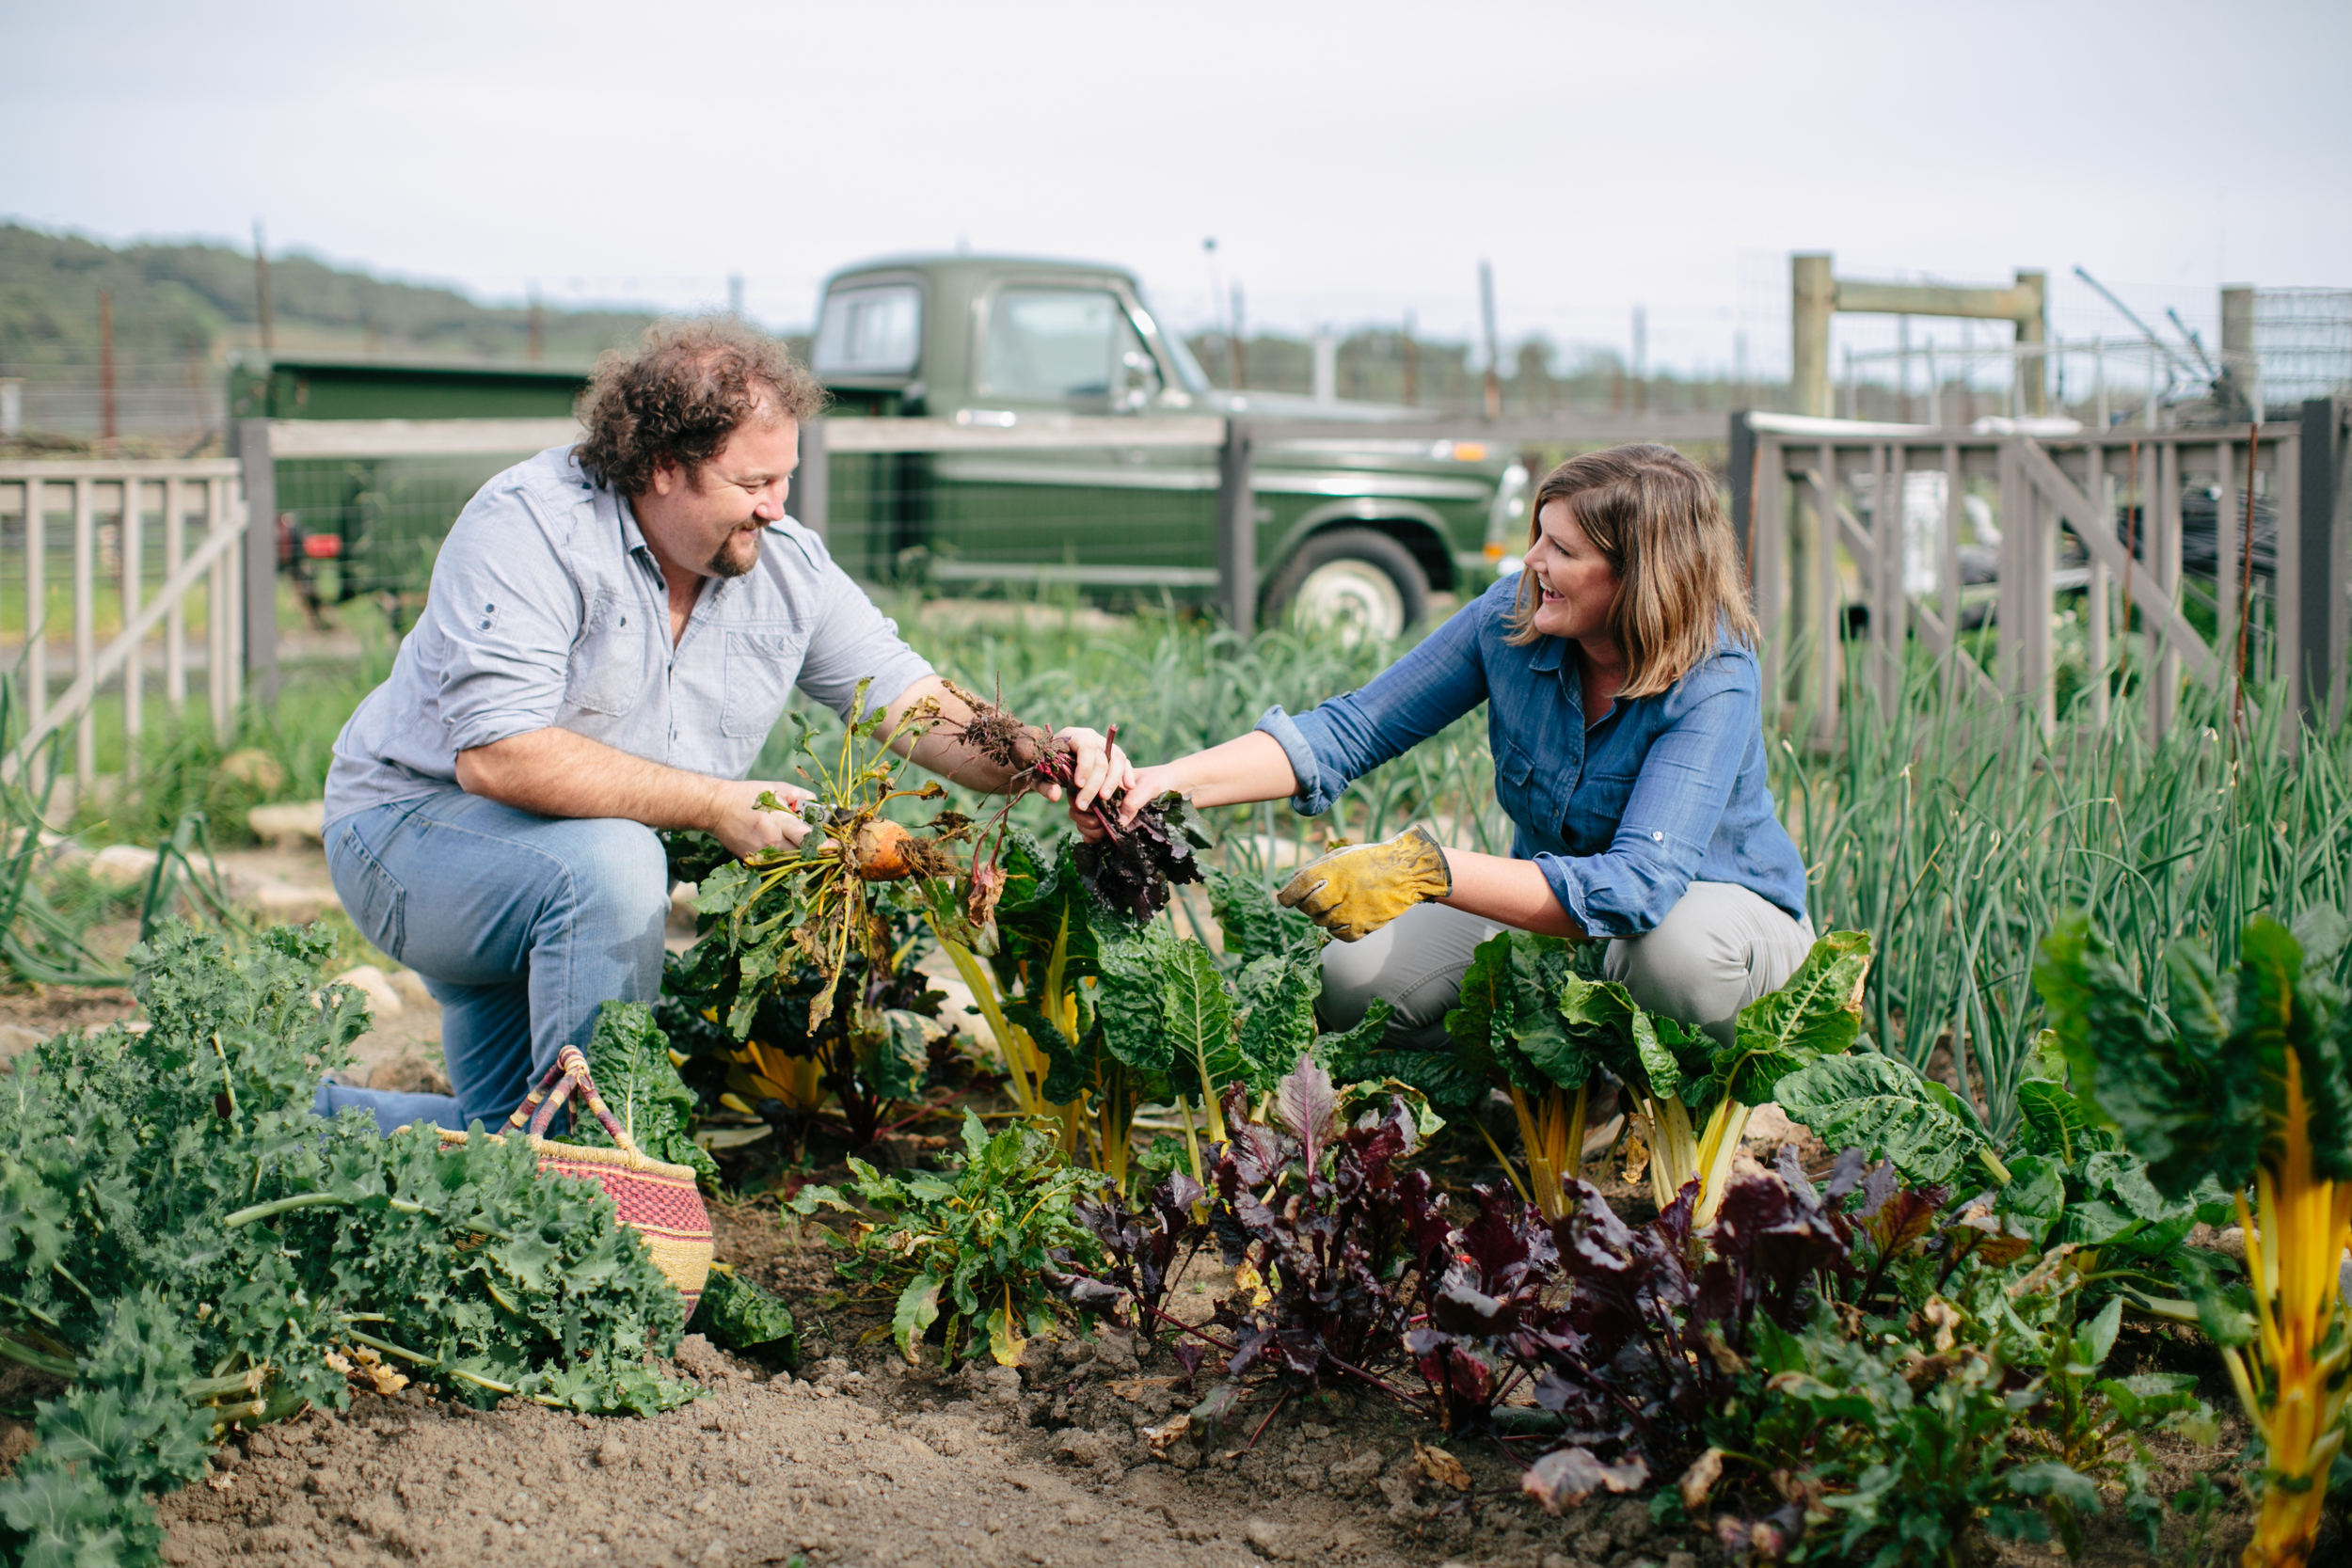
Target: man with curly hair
{"points": [[613, 629]]}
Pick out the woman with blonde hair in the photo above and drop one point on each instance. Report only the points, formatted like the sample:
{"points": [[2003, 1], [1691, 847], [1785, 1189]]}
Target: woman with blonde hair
{"points": [[1623, 704]]}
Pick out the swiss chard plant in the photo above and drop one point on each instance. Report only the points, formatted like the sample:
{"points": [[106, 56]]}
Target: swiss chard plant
{"points": [[1545, 1056], [2062, 1177], [1511, 1029], [2242, 1081]]}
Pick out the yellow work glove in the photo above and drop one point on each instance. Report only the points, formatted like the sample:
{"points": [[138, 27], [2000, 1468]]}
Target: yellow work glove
{"points": [[1352, 893]]}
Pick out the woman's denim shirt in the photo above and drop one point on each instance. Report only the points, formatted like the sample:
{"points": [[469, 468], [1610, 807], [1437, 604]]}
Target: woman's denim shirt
{"points": [[1622, 815]]}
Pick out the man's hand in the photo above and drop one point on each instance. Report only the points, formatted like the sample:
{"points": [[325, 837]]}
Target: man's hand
{"points": [[1352, 893], [737, 822], [1099, 771]]}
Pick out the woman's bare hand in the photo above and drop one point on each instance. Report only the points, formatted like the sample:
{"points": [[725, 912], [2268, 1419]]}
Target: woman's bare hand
{"points": [[1147, 784]]}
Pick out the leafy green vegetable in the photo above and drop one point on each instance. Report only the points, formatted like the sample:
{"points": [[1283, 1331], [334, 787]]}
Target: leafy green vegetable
{"points": [[1255, 927], [973, 1245], [1884, 1107], [1653, 1053], [629, 1056], [186, 1243], [1817, 1013], [2177, 1096], [1511, 1015], [740, 1315], [2248, 1087]]}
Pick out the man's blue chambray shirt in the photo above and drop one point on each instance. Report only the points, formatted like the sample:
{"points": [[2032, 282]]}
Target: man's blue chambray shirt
{"points": [[547, 610], [1622, 815]]}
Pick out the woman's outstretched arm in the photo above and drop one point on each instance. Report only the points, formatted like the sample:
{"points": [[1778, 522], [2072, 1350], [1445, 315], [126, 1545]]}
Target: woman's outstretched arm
{"points": [[1247, 769], [1517, 892]]}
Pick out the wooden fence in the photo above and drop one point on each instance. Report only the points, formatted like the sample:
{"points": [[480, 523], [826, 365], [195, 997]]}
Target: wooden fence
{"points": [[1831, 517], [1825, 508]]}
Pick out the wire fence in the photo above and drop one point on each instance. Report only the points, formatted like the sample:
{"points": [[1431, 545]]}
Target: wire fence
{"points": [[369, 528], [178, 406]]}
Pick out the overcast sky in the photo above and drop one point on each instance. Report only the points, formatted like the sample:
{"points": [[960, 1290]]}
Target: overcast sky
{"points": [[1354, 162]]}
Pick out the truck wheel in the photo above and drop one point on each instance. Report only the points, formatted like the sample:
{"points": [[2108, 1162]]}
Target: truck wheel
{"points": [[1354, 579]]}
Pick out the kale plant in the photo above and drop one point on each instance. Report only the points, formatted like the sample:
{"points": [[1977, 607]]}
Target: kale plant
{"points": [[629, 1057], [187, 1248]]}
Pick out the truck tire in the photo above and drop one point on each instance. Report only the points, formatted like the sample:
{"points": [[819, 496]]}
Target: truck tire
{"points": [[1350, 577]]}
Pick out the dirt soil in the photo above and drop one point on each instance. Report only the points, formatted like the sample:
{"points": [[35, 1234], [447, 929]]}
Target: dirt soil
{"points": [[863, 1461]]}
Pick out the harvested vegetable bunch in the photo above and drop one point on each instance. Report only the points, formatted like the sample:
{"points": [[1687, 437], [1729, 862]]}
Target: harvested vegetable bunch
{"points": [[2249, 1082], [820, 903], [1129, 867]]}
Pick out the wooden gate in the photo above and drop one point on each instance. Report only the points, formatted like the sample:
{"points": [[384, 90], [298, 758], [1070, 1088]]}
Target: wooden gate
{"points": [[1862, 537], [137, 545]]}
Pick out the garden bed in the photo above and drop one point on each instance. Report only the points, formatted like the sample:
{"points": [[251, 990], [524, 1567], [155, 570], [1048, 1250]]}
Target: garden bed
{"points": [[863, 1461]]}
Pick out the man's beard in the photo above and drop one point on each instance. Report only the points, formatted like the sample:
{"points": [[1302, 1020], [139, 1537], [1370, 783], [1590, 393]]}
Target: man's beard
{"points": [[723, 562]]}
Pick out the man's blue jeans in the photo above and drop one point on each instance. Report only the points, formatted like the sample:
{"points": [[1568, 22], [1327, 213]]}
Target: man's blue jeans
{"points": [[521, 925]]}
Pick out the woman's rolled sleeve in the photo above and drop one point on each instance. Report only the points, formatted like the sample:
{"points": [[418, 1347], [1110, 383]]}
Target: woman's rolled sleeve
{"points": [[1622, 893], [1319, 784], [1343, 739]]}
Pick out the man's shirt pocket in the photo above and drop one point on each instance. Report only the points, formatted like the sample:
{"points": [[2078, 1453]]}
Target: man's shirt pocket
{"points": [[760, 665], [609, 659]]}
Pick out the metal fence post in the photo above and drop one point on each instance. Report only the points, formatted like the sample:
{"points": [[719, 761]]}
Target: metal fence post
{"points": [[2325, 540], [813, 482], [1236, 531], [249, 444]]}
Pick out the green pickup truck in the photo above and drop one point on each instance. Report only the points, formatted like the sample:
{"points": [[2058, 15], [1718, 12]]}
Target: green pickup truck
{"points": [[1007, 422]]}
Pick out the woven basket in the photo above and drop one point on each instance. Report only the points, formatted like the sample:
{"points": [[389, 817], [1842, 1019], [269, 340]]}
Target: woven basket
{"points": [[658, 1201]]}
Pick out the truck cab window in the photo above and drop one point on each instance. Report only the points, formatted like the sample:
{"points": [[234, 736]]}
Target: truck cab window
{"points": [[1057, 345], [870, 331]]}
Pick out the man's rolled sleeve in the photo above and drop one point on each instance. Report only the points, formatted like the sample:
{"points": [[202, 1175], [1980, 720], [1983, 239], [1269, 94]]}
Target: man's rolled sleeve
{"points": [[854, 641], [505, 620]]}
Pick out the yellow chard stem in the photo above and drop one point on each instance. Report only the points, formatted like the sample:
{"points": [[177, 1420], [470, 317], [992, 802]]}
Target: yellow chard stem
{"points": [[1504, 1160], [1008, 1050], [1539, 1171], [1062, 1010], [1674, 1148], [1192, 1141], [1724, 1128], [1573, 1168], [2291, 1258]]}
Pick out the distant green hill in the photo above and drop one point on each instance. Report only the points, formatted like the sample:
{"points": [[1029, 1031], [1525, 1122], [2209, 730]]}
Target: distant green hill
{"points": [[174, 304]]}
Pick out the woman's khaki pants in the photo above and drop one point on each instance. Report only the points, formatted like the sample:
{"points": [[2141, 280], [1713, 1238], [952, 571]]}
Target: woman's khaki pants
{"points": [[1719, 949]]}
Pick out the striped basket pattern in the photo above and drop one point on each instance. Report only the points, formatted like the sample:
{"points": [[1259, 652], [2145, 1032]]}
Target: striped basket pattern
{"points": [[658, 1201]]}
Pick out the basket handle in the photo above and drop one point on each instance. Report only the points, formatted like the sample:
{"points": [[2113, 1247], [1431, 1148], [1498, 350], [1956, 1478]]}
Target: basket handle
{"points": [[570, 1072]]}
